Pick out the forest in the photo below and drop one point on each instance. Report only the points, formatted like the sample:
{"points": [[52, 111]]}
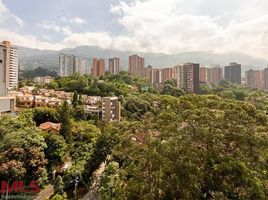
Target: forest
{"points": [[168, 145]]}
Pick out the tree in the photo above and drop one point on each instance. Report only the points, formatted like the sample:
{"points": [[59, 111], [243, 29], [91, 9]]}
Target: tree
{"points": [[42, 115], [80, 113], [85, 136], [22, 155], [75, 99], [205, 146], [65, 118], [136, 107], [172, 90], [59, 185], [56, 149], [80, 100], [60, 197]]}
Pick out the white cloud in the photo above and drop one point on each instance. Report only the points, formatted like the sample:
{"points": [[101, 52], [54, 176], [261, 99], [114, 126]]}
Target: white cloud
{"points": [[78, 20], [169, 26], [100, 39], [28, 40], [7, 16], [66, 30], [74, 20], [177, 25]]}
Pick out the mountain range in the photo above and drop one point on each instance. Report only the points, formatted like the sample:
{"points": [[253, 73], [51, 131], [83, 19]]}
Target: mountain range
{"points": [[49, 59]]}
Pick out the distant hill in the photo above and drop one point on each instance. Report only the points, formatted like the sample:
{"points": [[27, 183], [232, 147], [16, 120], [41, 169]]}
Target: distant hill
{"points": [[48, 59]]}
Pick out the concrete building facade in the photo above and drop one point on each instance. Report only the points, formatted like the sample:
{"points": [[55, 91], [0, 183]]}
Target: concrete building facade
{"points": [[167, 74], [214, 74], [98, 67], [156, 77], [70, 64], [253, 79], [114, 65], [11, 64], [136, 66], [7, 103], [265, 79], [203, 74], [188, 77], [111, 109], [232, 73]]}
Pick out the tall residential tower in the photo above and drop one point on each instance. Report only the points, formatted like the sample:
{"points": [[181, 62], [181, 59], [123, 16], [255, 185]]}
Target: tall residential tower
{"points": [[8, 76], [136, 66], [187, 76], [70, 64], [11, 64], [114, 65], [98, 67], [214, 74], [232, 73]]}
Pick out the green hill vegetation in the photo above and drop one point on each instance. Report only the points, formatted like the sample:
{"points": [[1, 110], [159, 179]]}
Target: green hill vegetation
{"points": [[169, 144]]}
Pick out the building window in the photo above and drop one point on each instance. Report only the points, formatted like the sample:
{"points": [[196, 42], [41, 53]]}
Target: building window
{"points": [[1, 61]]}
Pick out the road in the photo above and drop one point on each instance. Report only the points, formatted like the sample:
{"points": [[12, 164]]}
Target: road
{"points": [[93, 194], [46, 193]]}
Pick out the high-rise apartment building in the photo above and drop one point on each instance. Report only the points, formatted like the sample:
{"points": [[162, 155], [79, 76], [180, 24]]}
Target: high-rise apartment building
{"points": [[66, 65], [187, 76], [253, 79], [80, 65], [167, 74], [265, 78], [214, 74], [156, 77], [7, 103], [136, 66], [148, 72], [114, 65], [70, 64], [232, 73], [3, 73], [11, 64], [98, 67], [111, 109], [203, 74]]}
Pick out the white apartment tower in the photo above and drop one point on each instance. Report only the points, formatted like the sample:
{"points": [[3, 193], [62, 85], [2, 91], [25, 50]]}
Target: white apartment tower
{"points": [[69, 64], [11, 64], [187, 76]]}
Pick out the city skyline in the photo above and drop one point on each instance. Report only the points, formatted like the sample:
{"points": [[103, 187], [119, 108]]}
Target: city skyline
{"points": [[207, 25]]}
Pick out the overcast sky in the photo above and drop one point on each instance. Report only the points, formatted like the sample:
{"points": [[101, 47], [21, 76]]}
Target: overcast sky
{"points": [[168, 26]]}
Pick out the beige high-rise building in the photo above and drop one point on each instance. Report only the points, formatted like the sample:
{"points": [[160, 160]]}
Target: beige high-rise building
{"points": [[203, 74], [148, 72], [265, 79], [114, 65], [156, 77], [167, 74], [136, 66], [253, 79], [11, 65], [214, 74], [111, 109], [188, 77], [98, 67]]}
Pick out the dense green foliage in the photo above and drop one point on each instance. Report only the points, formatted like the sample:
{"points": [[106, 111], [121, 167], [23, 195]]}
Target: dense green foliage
{"points": [[108, 85], [65, 119], [193, 147], [22, 154], [169, 144], [38, 72]]}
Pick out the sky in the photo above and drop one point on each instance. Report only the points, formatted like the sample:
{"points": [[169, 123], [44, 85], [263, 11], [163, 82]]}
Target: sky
{"points": [[166, 26]]}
